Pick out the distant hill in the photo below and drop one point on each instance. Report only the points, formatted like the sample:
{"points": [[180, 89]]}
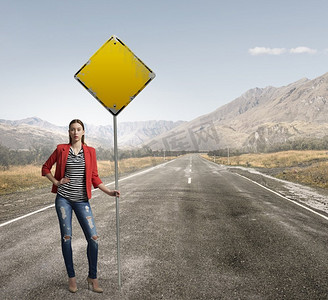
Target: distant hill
{"points": [[33, 132], [259, 118]]}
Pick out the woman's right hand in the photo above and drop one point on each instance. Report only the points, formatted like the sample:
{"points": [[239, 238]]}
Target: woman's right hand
{"points": [[63, 181]]}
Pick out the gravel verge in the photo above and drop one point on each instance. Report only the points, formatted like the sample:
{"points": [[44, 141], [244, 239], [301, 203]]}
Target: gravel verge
{"points": [[315, 198]]}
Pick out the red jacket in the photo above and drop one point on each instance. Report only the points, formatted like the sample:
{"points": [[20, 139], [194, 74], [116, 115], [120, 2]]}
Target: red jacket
{"points": [[60, 155]]}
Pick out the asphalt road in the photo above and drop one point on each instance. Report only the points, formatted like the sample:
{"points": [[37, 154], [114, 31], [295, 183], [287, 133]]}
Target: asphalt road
{"points": [[189, 230]]}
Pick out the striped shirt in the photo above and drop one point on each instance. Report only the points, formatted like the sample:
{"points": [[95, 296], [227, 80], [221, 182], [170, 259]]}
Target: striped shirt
{"points": [[75, 190]]}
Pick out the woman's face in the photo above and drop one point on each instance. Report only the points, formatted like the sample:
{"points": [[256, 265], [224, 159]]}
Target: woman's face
{"points": [[76, 132]]}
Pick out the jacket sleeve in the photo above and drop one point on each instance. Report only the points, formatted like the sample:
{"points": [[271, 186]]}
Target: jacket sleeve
{"points": [[46, 168], [95, 178]]}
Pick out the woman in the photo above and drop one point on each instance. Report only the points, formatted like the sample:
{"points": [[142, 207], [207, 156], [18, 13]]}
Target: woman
{"points": [[76, 170]]}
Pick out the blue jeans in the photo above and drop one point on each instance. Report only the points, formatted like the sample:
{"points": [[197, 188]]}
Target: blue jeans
{"points": [[64, 208]]}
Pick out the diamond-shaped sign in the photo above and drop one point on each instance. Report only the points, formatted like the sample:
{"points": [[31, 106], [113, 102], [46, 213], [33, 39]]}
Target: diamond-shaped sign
{"points": [[114, 75]]}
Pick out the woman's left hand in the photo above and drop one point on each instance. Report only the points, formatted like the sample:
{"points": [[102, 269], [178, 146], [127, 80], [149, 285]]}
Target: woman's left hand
{"points": [[115, 193], [109, 192]]}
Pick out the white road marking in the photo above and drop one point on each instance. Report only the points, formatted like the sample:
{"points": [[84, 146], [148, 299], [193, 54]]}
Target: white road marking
{"points": [[53, 205], [293, 201], [27, 215], [190, 166]]}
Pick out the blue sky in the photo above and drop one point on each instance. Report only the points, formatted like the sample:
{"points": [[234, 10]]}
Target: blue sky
{"points": [[204, 53]]}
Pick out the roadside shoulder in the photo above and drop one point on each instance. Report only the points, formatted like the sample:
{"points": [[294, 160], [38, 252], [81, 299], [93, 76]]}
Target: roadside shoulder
{"points": [[315, 198]]}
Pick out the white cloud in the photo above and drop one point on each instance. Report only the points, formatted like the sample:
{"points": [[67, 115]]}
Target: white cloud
{"points": [[301, 50], [263, 50], [279, 51]]}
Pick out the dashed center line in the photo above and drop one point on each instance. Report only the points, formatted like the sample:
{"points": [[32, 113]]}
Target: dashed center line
{"points": [[189, 180]]}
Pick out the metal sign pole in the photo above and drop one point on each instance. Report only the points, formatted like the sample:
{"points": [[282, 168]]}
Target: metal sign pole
{"points": [[114, 76], [117, 203]]}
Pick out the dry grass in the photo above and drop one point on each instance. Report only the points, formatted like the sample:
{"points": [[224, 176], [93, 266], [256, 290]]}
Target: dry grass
{"points": [[273, 160], [314, 175], [306, 167], [21, 178]]}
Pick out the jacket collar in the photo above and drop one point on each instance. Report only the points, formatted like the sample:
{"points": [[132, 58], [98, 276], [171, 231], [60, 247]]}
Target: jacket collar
{"points": [[67, 146]]}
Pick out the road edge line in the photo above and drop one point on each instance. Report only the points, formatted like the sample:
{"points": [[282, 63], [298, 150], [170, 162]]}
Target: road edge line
{"points": [[282, 196], [53, 205]]}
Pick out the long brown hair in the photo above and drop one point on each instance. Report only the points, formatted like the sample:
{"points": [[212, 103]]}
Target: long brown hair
{"points": [[81, 123]]}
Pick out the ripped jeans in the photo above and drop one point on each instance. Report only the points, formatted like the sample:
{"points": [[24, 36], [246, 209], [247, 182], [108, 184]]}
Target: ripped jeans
{"points": [[84, 215]]}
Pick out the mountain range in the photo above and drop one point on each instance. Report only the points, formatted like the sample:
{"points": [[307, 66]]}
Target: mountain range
{"points": [[259, 117], [35, 132]]}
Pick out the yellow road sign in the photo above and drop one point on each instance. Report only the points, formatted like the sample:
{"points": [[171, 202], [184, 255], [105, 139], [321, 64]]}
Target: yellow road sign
{"points": [[114, 75]]}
